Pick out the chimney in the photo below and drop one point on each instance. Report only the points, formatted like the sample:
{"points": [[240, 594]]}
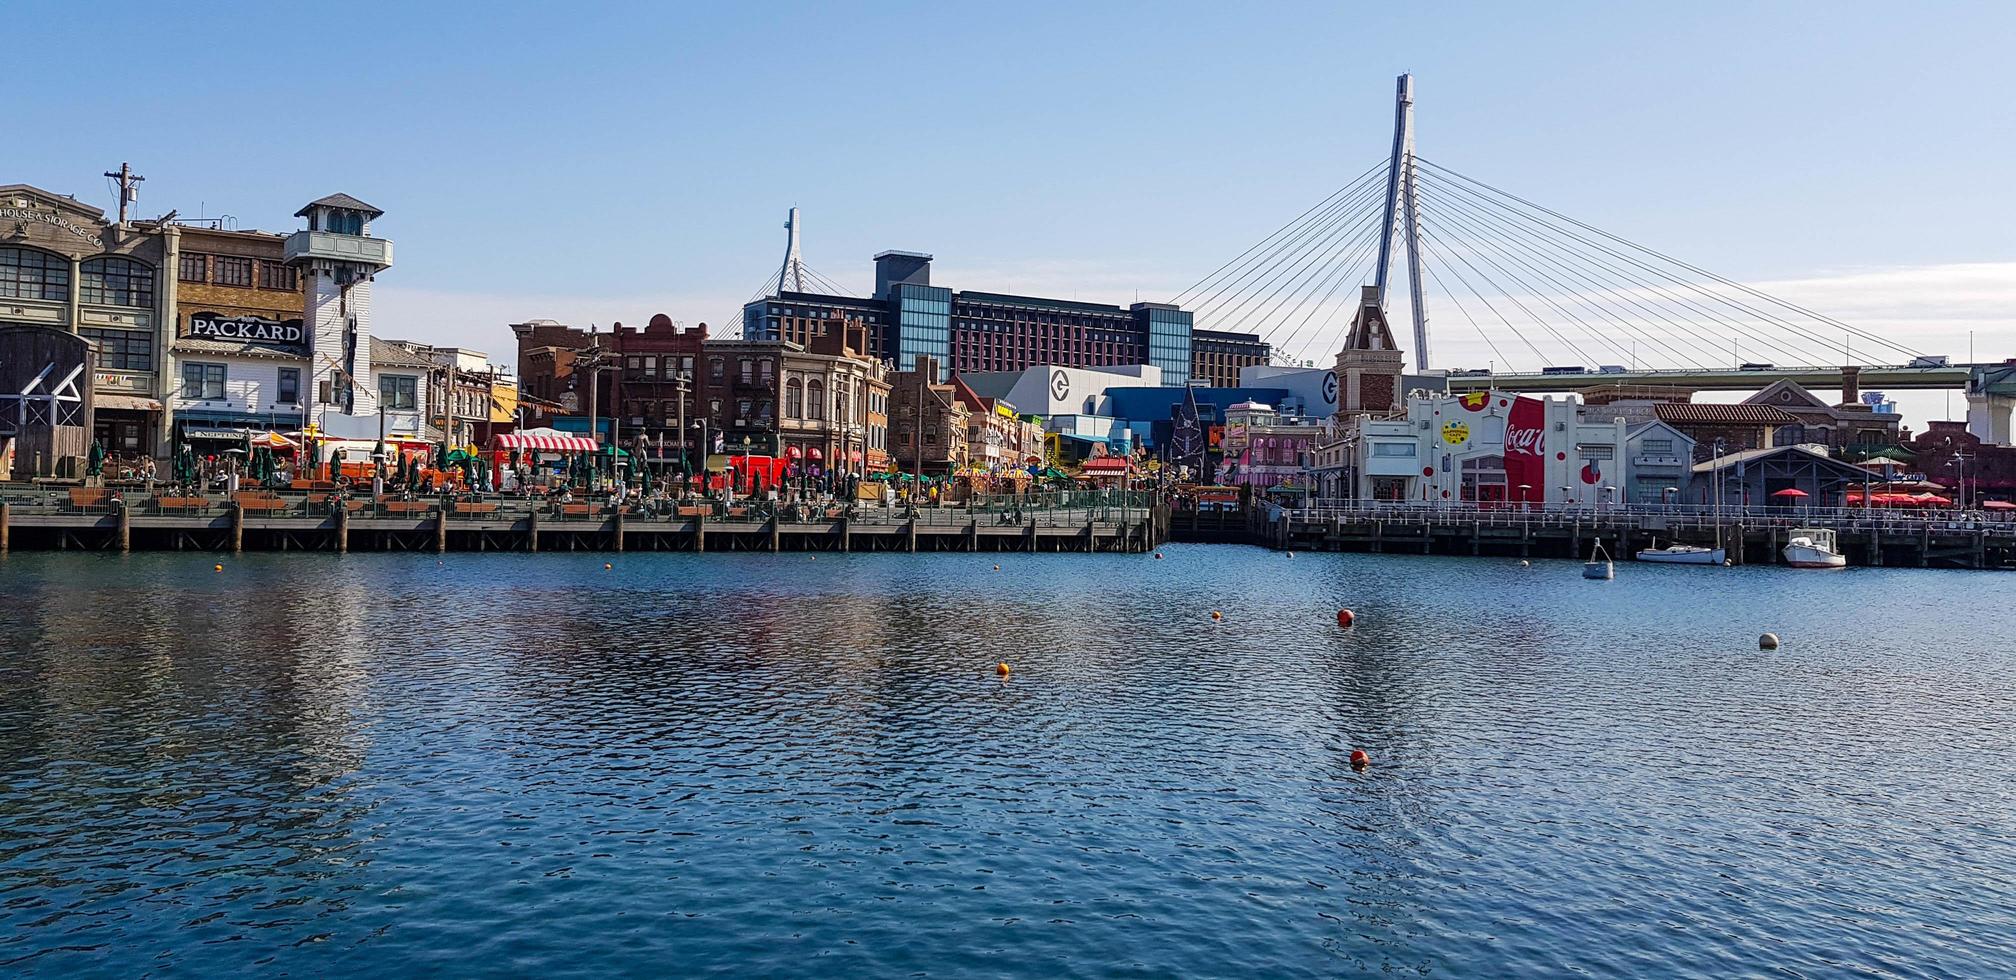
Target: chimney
{"points": [[1851, 385]]}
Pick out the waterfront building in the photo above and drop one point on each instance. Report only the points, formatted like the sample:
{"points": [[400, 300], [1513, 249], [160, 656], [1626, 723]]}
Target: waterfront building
{"points": [[1369, 366], [1220, 358], [63, 264], [1731, 427], [337, 259], [656, 385], [972, 332], [928, 425], [240, 351], [1263, 450], [547, 352], [1491, 448], [1660, 459], [45, 402], [1853, 426], [1754, 477], [743, 387], [1952, 454], [834, 397], [998, 437]]}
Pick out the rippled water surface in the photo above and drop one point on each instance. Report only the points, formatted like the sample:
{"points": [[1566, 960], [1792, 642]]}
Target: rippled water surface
{"points": [[780, 765]]}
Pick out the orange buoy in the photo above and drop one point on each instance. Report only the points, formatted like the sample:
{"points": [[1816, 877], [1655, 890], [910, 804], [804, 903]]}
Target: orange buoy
{"points": [[1215, 614], [220, 568], [1002, 668], [1360, 759], [1346, 617], [606, 566]]}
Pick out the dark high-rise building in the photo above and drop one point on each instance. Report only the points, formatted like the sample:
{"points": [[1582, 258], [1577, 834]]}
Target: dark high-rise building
{"points": [[1217, 355], [908, 317]]}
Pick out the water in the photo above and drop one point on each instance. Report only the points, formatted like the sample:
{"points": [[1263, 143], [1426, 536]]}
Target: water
{"points": [[780, 765]]}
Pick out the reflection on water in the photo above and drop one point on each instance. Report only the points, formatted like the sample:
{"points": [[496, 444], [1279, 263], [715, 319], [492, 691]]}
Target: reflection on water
{"points": [[782, 765]]}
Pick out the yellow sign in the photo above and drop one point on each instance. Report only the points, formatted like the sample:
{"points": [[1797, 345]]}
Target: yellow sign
{"points": [[503, 402], [1455, 433]]}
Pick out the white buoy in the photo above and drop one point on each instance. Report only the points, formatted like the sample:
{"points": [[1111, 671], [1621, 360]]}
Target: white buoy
{"points": [[1768, 641]]}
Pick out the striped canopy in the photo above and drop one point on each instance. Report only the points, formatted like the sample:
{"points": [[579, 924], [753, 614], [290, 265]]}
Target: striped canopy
{"points": [[546, 443]]}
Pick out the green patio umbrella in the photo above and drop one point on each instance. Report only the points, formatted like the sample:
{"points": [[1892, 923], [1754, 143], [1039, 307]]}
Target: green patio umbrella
{"points": [[335, 465], [96, 465]]}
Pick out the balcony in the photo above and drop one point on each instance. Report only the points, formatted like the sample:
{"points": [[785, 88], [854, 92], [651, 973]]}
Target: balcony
{"points": [[356, 249]]}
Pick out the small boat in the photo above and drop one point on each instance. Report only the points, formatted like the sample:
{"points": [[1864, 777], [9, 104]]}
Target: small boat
{"points": [[1599, 564], [1684, 554], [1813, 547]]}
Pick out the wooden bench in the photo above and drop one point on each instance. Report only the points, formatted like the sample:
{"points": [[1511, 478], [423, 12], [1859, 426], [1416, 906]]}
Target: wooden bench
{"points": [[261, 503], [693, 511], [738, 512], [184, 503], [577, 510], [82, 497], [474, 507], [407, 506]]}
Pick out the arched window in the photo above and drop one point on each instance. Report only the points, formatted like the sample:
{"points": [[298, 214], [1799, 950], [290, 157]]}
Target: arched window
{"points": [[815, 399], [29, 274], [114, 281], [794, 399]]}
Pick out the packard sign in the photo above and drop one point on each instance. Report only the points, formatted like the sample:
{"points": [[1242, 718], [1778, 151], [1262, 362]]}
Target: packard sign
{"points": [[246, 329]]}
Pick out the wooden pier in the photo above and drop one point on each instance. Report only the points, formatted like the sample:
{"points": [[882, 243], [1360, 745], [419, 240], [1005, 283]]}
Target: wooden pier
{"points": [[281, 523]]}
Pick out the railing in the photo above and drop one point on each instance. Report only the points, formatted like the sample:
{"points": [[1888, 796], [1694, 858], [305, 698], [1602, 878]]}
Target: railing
{"points": [[1054, 509], [1659, 517]]}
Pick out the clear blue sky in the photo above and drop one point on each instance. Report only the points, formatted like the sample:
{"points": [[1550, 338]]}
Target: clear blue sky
{"points": [[591, 161]]}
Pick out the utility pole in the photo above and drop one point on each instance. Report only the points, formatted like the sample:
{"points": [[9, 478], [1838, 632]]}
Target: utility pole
{"points": [[128, 192]]}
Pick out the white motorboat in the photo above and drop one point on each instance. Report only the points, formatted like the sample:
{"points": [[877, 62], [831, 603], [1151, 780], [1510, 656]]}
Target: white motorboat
{"points": [[1684, 554], [1813, 547]]}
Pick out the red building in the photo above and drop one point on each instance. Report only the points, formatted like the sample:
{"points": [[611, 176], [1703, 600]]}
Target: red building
{"points": [[1949, 454]]}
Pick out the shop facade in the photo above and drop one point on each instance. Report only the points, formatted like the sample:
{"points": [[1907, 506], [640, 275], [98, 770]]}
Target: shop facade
{"points": [[239, 355], [64, 265]]}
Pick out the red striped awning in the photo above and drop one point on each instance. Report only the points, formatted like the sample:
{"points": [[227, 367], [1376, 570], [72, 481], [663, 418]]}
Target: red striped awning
{"points": [[1113, 464], [551, 444]]}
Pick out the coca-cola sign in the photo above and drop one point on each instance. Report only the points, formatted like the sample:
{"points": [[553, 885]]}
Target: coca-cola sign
{"points": [[1526, 447]]}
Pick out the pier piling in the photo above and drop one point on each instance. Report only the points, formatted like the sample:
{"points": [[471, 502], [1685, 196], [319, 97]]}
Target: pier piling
{"points": [[532, 531], [441, 529], [6, 518], [342, 527], [125, 534], [617, 523], [237, 526]]}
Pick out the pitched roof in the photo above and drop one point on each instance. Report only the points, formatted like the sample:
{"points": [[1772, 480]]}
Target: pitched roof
{"points": [[1775, 392], [1818, 456], [386, 352], [1708, 414], [338, 201]]}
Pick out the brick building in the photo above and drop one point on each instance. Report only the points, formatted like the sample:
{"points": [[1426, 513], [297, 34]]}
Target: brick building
{"points": [[1216, 356], [927, 424], [1738, 427], [240, 347], [1947, 453]]}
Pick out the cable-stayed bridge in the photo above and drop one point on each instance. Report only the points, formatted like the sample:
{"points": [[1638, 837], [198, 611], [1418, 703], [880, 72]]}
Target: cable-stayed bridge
{"points": [[1544, 301]]}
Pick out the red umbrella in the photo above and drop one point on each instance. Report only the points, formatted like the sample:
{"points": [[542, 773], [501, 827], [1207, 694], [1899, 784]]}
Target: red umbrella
{"points": [[1790, 492], [1997, 505]]}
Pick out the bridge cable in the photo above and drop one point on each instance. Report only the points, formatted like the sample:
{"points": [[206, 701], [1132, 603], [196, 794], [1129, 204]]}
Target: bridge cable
{"points": [[1666, 295], [1261, 277], [1751, 291], [1350, 186]]}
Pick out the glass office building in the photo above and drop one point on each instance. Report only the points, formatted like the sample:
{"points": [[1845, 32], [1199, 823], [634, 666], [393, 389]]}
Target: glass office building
{"points": [[922, 325]]}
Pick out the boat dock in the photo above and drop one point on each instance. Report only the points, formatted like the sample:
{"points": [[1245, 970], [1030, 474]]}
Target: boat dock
{"points": [[1751, 535], [95, 520]]}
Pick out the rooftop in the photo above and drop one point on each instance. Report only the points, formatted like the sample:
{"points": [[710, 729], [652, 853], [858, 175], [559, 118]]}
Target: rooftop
{"points": [[1709, 414], [344, 201]]}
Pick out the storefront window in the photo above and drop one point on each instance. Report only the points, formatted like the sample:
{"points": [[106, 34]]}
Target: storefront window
{"points": [[28, 274], [290, 386]]}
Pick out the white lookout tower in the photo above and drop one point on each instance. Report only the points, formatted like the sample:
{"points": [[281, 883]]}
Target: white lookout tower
{"points": [[338, 258]]}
